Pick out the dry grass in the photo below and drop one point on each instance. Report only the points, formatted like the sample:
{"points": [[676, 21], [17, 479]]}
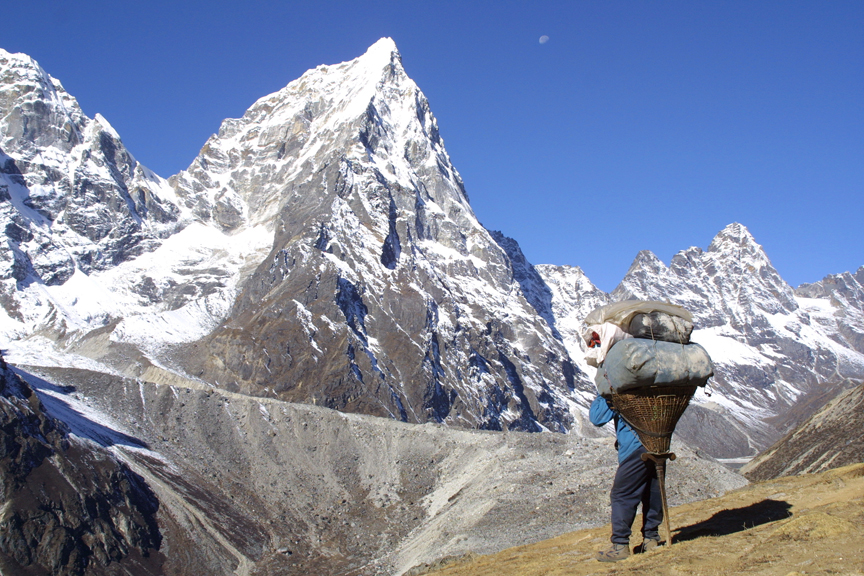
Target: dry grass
{"points": [[811, 524]]}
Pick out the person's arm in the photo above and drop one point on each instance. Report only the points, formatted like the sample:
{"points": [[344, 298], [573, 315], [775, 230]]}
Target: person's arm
{"points": [[600, 412]]}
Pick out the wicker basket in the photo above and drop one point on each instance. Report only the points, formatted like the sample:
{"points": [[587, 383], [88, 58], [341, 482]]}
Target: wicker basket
{"points": [[653, 413]]}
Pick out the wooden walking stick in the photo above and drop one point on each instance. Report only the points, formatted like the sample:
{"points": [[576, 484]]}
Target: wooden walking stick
{"points": [[660, 462]]}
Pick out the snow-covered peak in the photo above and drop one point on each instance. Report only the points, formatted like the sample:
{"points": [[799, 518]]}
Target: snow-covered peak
{"points": [[347, 87], [647, 278], [734, 232], [80, 202], [646, 261], [371, 224], [24, 69], [382, 55], [736, 241], [366, 110], [735, 255], [733, 280], [384, 46]]}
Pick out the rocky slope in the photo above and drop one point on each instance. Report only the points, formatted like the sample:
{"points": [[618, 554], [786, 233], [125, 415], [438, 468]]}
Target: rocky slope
{"points": [[828, 439], [260, 486], [69, 508]]}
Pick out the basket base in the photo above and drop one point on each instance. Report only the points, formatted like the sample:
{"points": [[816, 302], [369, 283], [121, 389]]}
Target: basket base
{"points": [[653, 412]]}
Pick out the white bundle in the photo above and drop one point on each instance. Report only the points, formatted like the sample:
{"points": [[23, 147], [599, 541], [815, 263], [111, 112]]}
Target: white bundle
{"points": [[607, 334]]}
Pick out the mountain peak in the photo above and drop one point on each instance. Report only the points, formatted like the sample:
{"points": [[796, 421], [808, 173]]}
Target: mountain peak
{"points": [[646, 259], [37, 111], [346, 77], [363, 111], [12, 59], [19, 68], [382, 56], [736, 245], [734, 234], [80, 201], [385, 48]]}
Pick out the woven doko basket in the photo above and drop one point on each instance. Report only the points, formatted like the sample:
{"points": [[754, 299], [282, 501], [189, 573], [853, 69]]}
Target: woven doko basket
{"points": [[653, 413]]}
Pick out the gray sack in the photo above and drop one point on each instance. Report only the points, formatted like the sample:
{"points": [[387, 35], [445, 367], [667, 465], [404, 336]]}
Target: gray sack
{"points": [[661, 326], [636, 363]]}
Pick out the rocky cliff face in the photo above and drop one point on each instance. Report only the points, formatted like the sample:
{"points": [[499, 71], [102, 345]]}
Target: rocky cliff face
{"points": [[73, 196], [68, 508]]}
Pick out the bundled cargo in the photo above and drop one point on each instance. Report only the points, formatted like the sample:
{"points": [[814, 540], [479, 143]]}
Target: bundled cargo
{"points": [[639, 363], [634, 319], [649, 369], [659, 325], [621, 313]]}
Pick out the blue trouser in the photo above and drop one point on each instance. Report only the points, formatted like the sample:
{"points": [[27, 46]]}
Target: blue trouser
{"points": [[635, 482]]}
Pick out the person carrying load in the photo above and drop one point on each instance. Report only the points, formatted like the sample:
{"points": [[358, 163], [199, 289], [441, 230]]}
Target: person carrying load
{"points": [[647, 371]]}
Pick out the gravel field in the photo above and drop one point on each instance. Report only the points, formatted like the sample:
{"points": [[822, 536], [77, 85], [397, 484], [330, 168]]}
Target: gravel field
{"points": [[262, 486]]}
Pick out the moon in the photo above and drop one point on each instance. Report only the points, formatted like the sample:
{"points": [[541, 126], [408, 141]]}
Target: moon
{"points": [[544, 39]]}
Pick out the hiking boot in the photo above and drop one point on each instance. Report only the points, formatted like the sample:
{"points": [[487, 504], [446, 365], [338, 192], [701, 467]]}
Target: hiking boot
{"points": [[615, 553], [649, 544]]}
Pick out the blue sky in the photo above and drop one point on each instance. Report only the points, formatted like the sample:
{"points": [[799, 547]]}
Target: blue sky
{"points": [[639, 125]]}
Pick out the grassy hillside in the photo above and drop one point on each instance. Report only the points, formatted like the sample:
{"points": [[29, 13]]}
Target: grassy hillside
{"points": [[809, 524]]}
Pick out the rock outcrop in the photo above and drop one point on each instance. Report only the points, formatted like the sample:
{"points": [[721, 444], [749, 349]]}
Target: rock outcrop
{"points": [[69, 508]]}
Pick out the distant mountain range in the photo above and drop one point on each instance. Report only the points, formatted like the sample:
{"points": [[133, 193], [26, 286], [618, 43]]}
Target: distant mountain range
{"points": [[321, 249]]}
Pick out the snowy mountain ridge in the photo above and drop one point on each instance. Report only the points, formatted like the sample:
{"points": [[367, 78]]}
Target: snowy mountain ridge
{"points": [[82, 200], [366, 192], [321, 249], [285, 134], [772, 346]]}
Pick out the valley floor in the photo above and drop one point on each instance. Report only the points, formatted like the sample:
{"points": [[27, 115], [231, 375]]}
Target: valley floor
{"points": [[797, 525]]}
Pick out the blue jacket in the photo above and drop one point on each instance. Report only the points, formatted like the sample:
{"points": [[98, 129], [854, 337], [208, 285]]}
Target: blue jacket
{"points": [[600, 413]]}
